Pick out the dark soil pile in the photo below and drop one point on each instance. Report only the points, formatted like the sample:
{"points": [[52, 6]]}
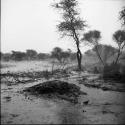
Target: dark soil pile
{"points": [[61, 89]]}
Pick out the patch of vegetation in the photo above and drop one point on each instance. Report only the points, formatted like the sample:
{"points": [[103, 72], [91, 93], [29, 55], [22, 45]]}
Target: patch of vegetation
{"points": [[61, 89], [107, 85], [24, 77], [4, 66], [113, 72], [75, 68]]}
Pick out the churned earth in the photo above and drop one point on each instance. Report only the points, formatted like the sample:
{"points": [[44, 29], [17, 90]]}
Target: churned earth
{"points": [[98, 106]]}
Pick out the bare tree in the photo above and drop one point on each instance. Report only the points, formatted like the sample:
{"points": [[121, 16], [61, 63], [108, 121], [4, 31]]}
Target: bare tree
{"points": [[71, 23], [119, 38], [93, 37]]}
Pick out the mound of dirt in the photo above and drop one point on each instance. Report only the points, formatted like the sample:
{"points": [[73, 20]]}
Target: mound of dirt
{"points": [[61, 89]]}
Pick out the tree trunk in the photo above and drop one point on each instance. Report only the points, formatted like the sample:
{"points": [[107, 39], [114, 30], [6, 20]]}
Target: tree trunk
{"points": [[98, 54], [79, 57], [119, 52], [117, 59], [79, 54]]}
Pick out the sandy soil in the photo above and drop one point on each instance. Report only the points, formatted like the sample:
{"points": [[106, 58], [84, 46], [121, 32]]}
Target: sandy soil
{"points": [[25, 66], [105, 107]]}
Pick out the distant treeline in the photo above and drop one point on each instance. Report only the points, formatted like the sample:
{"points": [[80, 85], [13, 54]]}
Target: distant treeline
{"points": [[31, 54]]}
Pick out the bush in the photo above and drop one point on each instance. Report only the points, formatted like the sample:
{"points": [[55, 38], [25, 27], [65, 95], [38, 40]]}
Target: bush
{"points": [[123, 73], [112, 71]]}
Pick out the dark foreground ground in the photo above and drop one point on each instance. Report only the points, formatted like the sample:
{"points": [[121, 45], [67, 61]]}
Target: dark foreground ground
{"points": [[98, 102]]}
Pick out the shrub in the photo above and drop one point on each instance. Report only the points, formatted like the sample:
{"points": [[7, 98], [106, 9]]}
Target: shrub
{"points": [[112, 71], [123, 73]]}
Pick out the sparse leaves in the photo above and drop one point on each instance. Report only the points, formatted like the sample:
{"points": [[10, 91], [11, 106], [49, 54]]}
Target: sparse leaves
{"points": [[92, 37], [122, 15], [69, 27], [119, 38]]}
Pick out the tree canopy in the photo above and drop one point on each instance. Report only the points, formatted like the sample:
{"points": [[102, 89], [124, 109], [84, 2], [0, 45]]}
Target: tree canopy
{"points": [[59, 54], [122, 15], [92, 37]]}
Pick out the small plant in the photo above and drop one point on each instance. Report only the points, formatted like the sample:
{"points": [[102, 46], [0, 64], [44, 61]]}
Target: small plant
{"points": [[46, 74]]}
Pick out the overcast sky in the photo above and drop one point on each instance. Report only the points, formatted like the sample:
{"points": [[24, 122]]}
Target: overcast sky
{"points": [[31, 24]]}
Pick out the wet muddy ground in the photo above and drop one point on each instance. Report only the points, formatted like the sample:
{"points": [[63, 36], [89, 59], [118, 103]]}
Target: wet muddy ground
{"points": [[103, 107]]}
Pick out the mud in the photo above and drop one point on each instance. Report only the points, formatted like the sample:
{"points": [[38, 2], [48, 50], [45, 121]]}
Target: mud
{"points": [[97, 107]]}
